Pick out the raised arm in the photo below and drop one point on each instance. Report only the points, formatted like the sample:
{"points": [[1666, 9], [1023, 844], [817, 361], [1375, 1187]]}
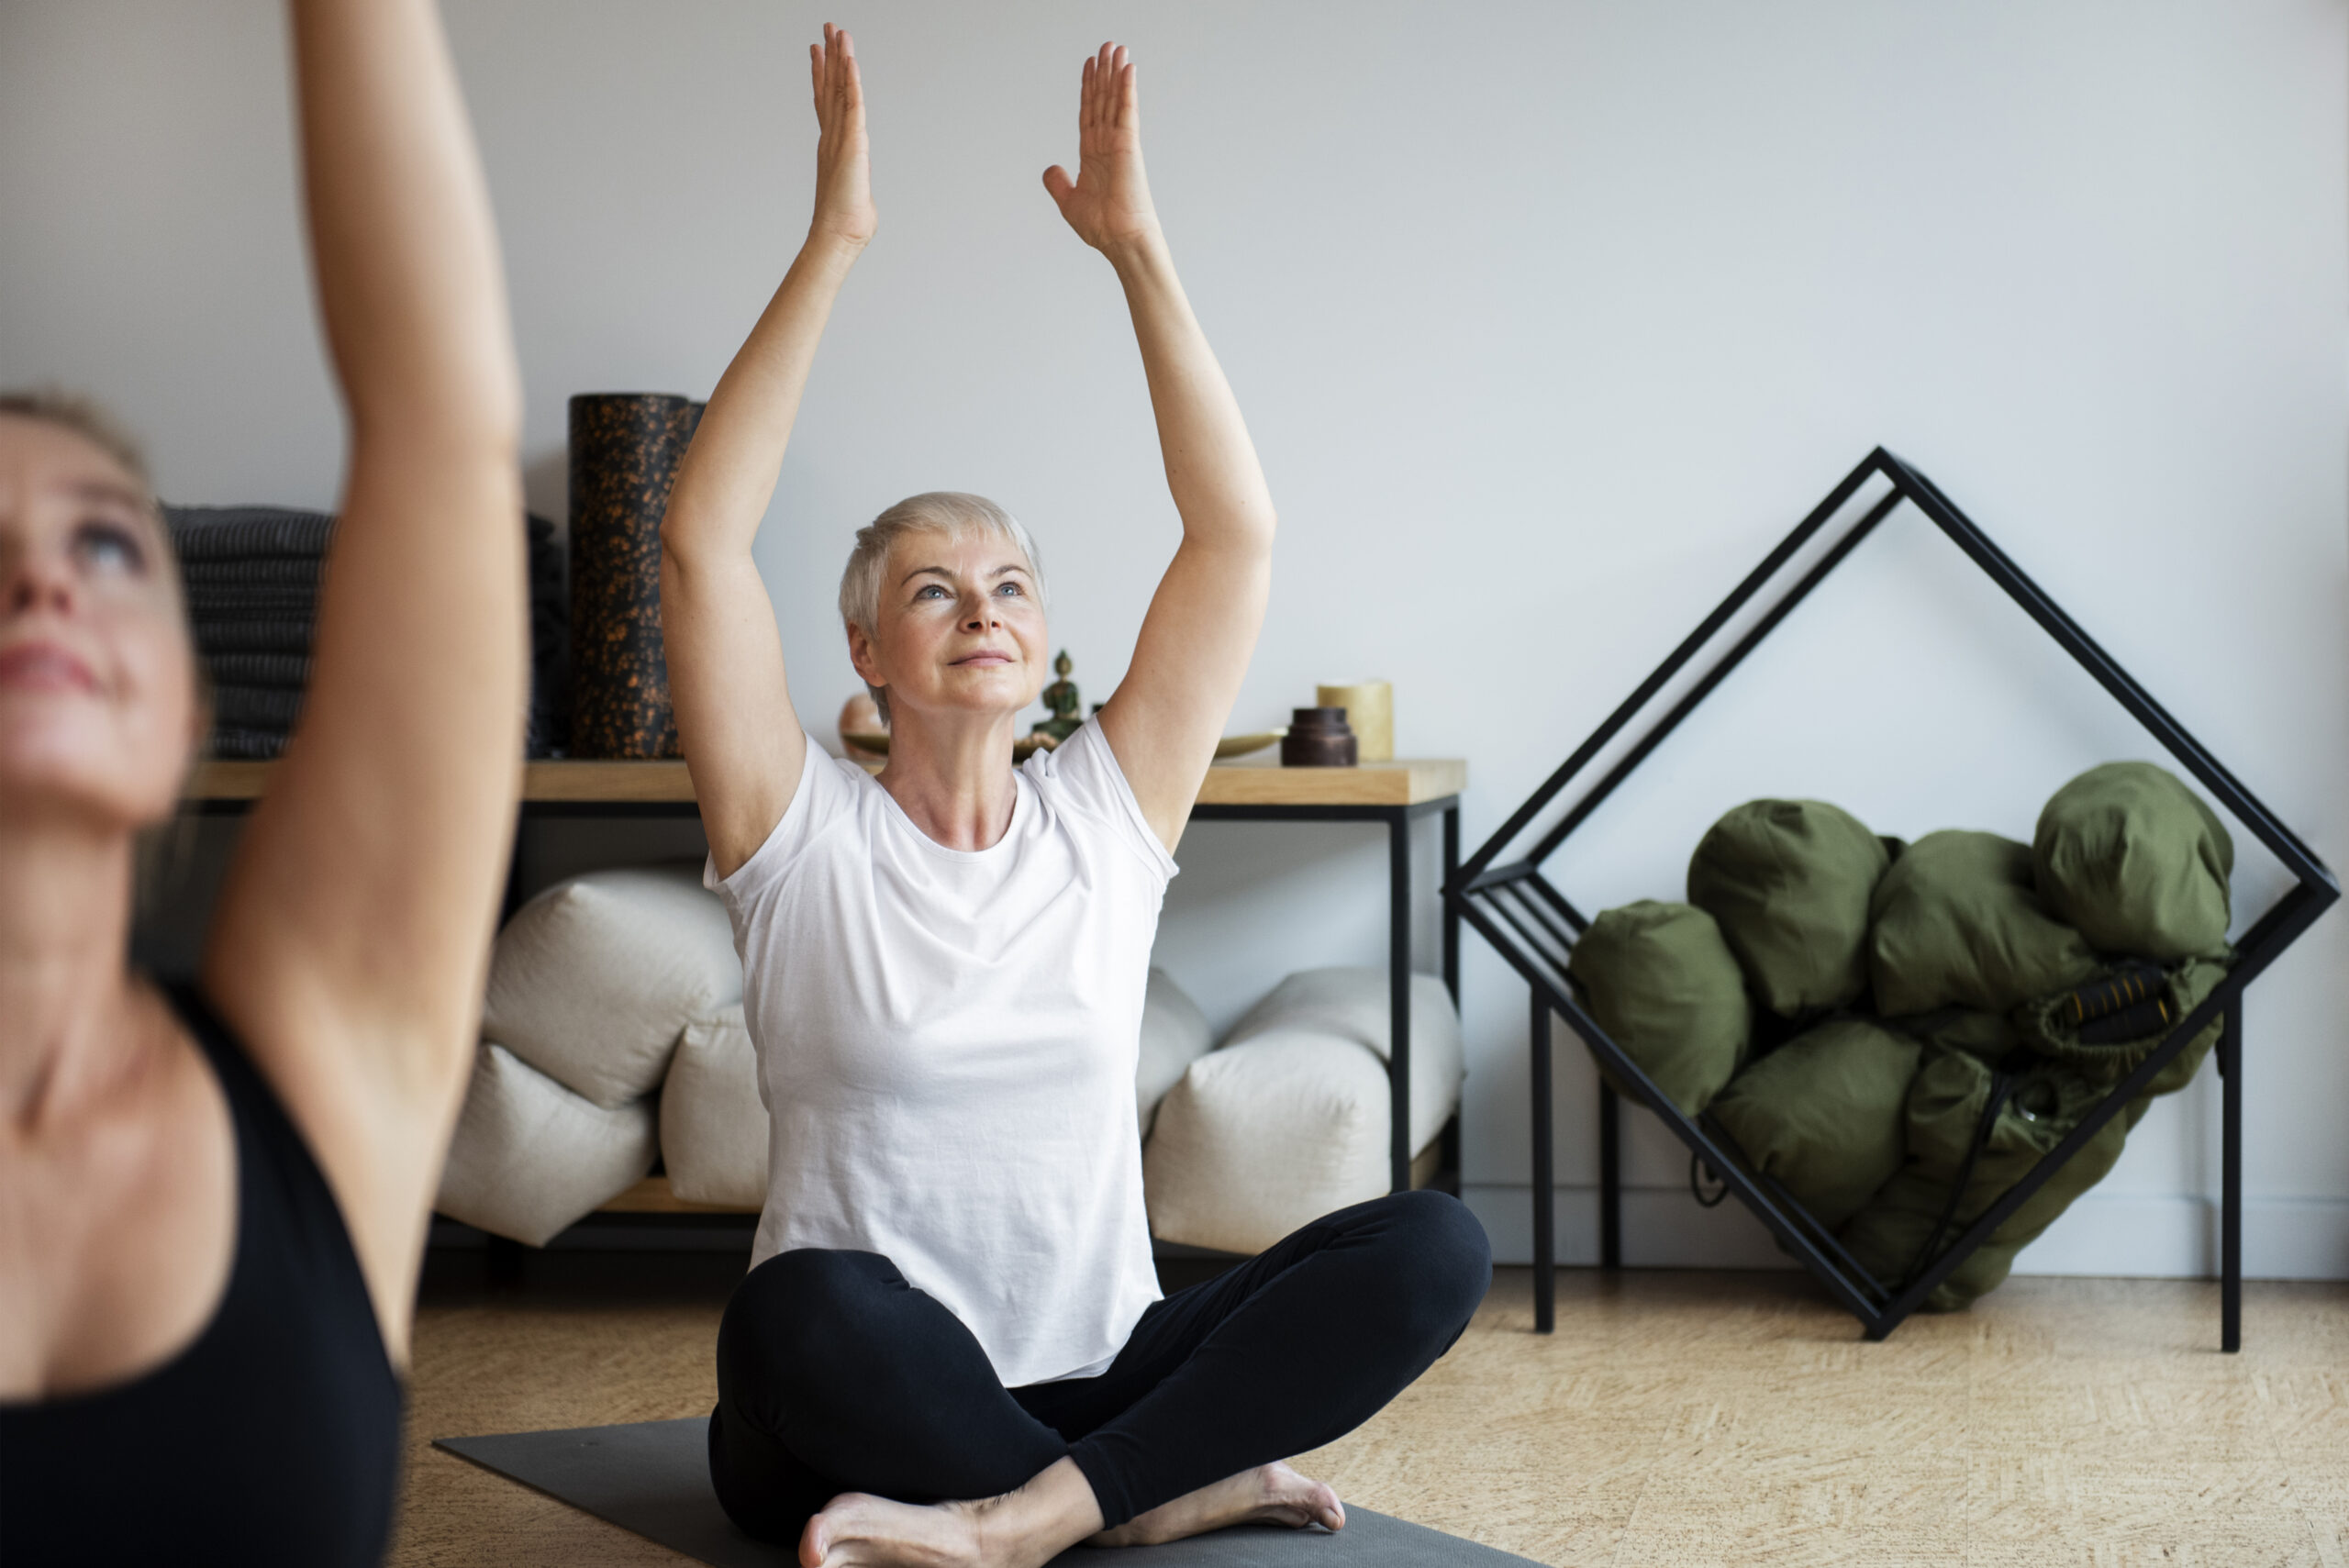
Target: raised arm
{"points": [[1165, 715], [742, 741], [349, 945]]}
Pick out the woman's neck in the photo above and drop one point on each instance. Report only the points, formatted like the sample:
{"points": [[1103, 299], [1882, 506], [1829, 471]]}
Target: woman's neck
{"points": [[953, 776], [65, 990]]}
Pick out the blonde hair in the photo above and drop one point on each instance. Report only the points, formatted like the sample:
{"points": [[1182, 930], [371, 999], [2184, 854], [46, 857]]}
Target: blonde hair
{"points": [[952, 512], [87, 419]]}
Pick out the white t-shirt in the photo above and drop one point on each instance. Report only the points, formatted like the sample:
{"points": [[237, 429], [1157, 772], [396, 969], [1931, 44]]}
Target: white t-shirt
{"points": [[947, 1042]]}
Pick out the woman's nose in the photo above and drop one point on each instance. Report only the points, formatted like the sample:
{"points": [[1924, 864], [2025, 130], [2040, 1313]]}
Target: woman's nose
{"points": [[35, 579]]}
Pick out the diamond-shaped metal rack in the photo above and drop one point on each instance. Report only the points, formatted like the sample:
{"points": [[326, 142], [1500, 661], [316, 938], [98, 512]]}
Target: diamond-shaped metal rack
{"points": [[1534, 926]]}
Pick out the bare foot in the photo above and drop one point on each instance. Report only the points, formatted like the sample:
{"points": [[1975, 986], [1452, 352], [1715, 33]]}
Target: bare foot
{"points": [[1024, 1527], [856, 1530], [1268, 1495]]}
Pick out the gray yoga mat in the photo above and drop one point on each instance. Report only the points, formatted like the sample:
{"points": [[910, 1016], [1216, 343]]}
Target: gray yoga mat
{"points": [[652, 1477]]}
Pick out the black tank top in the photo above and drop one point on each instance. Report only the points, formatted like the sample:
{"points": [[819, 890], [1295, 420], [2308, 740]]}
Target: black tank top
{"points": [[274, 1438]]}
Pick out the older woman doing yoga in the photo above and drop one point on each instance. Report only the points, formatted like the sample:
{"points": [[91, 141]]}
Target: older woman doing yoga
{"points": [[951, 1347]]}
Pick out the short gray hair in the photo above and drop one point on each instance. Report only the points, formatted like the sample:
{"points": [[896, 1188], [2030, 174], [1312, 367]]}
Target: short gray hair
{"points": [[952, 512]]}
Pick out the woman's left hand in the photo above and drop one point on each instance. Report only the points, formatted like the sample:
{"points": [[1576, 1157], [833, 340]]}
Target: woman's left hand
{"points": [[843, 163], [1109, 202]]}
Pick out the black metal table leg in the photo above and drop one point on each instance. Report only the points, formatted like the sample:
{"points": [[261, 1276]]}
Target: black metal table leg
{"points": [[1397, 820], [511, 899], [1545, 1233], [1450, 910], [2231, 1180], [1611, 1177], [1398, 980], [1452, 1157]]}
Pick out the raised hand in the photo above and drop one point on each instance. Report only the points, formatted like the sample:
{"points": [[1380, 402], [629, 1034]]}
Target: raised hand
{"points": [[843, 166], [1109, 202]]}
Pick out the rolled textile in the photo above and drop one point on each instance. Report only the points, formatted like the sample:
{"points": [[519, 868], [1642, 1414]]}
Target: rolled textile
{"points": [[239, 601], [625, 449], [256, 708], [282, 672], [254, 571], [246, 745], [216, 634], [251, 577], [228, 533]]}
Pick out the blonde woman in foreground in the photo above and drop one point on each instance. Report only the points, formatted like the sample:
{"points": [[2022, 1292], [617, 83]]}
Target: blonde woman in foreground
{"points": [[214, 1201], [950, 1349]]}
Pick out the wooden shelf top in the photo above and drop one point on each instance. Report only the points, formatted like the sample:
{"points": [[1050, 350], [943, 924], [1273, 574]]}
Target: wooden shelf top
{"points": [[653, 1196], [1404, 782], [1401, 783]]}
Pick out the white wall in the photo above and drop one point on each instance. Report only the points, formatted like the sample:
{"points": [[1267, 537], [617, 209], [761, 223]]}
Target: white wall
{"points": [[1548, 320]]}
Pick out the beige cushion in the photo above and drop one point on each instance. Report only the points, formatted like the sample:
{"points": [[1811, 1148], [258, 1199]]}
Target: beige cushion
{"points": [[1289, 1119], [1355, 1004], [1175, 1034], [592, 979], [713, 1120], [530, 1157]]}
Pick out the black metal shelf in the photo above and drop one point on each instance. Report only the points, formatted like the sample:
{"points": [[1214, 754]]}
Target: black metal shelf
{"points": [[1513, 905]]}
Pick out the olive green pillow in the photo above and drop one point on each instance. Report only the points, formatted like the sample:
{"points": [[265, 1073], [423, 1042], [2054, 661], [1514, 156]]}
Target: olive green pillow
{"points": [[2137, 862], [1789, 882], [1989, 1036], [1956, 924], [1659, 979], [1944, 1115], [1823, 1114]]}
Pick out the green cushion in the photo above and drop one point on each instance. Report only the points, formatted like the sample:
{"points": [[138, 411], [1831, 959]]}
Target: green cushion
{"points": [[1822, 1114], [1990, 1035], [2137, 862], [1659, 979], [1944, 1114], [1956, 924], [1789, 881]]}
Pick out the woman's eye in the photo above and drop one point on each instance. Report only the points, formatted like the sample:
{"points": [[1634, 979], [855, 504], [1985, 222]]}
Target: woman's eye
{"points": [[110, 547], [930, 590], [1013, 589]]}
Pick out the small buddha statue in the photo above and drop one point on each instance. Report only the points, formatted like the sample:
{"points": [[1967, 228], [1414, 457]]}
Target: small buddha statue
{"points": [[1061, 698]]}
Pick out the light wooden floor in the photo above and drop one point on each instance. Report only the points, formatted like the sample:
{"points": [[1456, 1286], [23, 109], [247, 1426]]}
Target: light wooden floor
{"points": [[1674, 1419]]}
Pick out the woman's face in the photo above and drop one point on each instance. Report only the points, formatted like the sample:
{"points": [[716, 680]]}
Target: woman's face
{"points": [[98, 713], [959, 628]]}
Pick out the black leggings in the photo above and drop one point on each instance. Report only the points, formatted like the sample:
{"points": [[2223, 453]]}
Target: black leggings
{"points": [[836, 1375]]}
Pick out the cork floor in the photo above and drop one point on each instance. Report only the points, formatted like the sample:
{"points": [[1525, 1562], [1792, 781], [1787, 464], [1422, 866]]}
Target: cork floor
{"points": [[1676, 1418]]}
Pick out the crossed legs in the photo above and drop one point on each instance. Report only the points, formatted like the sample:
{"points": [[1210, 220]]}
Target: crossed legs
{"points": [[845, 1395]]}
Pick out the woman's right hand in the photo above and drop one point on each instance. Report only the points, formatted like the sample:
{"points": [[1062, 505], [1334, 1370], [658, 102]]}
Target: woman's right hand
{"points": [[844, 210]]}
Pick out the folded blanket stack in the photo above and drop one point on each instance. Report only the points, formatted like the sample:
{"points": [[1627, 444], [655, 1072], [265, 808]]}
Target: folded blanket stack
{"points": [[253, 595], [253, 575]]}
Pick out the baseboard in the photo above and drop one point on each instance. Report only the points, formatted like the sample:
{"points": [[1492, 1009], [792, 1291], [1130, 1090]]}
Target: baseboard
{"points": [[2147, 1238]]}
